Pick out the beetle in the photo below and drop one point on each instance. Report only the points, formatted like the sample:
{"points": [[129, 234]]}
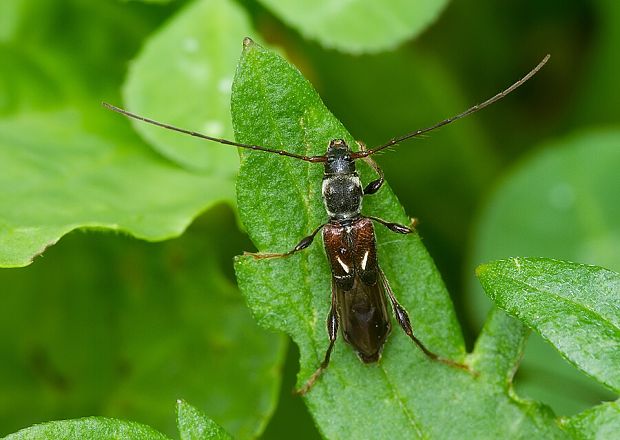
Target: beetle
{"points": [[360, 290]]}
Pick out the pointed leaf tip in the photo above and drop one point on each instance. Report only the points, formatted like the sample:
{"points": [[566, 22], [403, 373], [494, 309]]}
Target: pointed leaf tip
{"points": [[194, 424], [480, 270], [573, 306]]}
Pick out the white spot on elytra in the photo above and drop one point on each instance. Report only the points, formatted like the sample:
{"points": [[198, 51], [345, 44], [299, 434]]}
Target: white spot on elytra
{"points": [[342, 263], [365, 260], [213, 128]]}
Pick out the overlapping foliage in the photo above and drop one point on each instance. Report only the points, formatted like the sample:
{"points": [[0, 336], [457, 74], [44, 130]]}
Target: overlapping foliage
{"points": [[105, 325]]}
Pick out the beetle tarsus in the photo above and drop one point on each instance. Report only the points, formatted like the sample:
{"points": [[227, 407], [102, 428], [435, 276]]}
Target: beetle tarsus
{"points": [[303, 244], [403, 320], [396, 227]]}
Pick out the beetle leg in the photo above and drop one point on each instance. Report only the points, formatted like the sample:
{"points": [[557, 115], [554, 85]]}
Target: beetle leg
{"points": [[332, 330], [403, 320], [397, 227], [303, 244]]}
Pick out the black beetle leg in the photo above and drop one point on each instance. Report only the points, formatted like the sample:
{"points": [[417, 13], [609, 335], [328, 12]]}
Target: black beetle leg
{"points": [[332, 330], [303, 244], [403, 320]]}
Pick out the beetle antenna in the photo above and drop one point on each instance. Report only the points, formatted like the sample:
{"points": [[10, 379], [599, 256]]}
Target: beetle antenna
{"points": [[469, 111], [211, 138]]}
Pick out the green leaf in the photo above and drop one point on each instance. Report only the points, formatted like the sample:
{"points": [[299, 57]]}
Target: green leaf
{"points": [[575, 307], [194, 425], [62, 178], [601, 422], [183, 77], [78, 67], [89, 428], [405, 395], [357, 26], [9, 17], [152, 1], [113, 326], [499, 347], [559, 202], [24, 82]]}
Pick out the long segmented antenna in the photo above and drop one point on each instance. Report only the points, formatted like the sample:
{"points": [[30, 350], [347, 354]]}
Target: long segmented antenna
{"points": [[313, 159], [469, 111]]}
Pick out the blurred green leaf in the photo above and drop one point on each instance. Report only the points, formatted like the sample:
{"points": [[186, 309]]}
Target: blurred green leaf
{"points": [[80, 60], [561, 202], [406, 395], [151, 1], [62, 177], [194, 425], [357, 26], [89, 428], [574, 307], [183, 77], [113, 326], [25, 84], [601, 71], [10, 12]]}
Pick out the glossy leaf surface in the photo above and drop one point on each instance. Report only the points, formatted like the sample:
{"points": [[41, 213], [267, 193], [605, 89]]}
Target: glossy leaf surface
{"points": [[559, 202], [573, 306]]}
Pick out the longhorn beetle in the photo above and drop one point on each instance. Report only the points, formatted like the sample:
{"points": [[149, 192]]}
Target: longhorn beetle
{"points": [[360, 290]]}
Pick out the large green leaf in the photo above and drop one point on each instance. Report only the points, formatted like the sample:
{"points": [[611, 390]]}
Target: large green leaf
{"points": [[113, 326], [357, 26], [89, 428], [183, 76], [58, 177], [10, 15], [575, 307], [405, 395], [561, 202], [82, 168], [41, 72]]}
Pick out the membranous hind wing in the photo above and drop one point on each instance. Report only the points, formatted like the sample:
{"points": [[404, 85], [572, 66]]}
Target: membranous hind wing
{"points": [[358, 293]]}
